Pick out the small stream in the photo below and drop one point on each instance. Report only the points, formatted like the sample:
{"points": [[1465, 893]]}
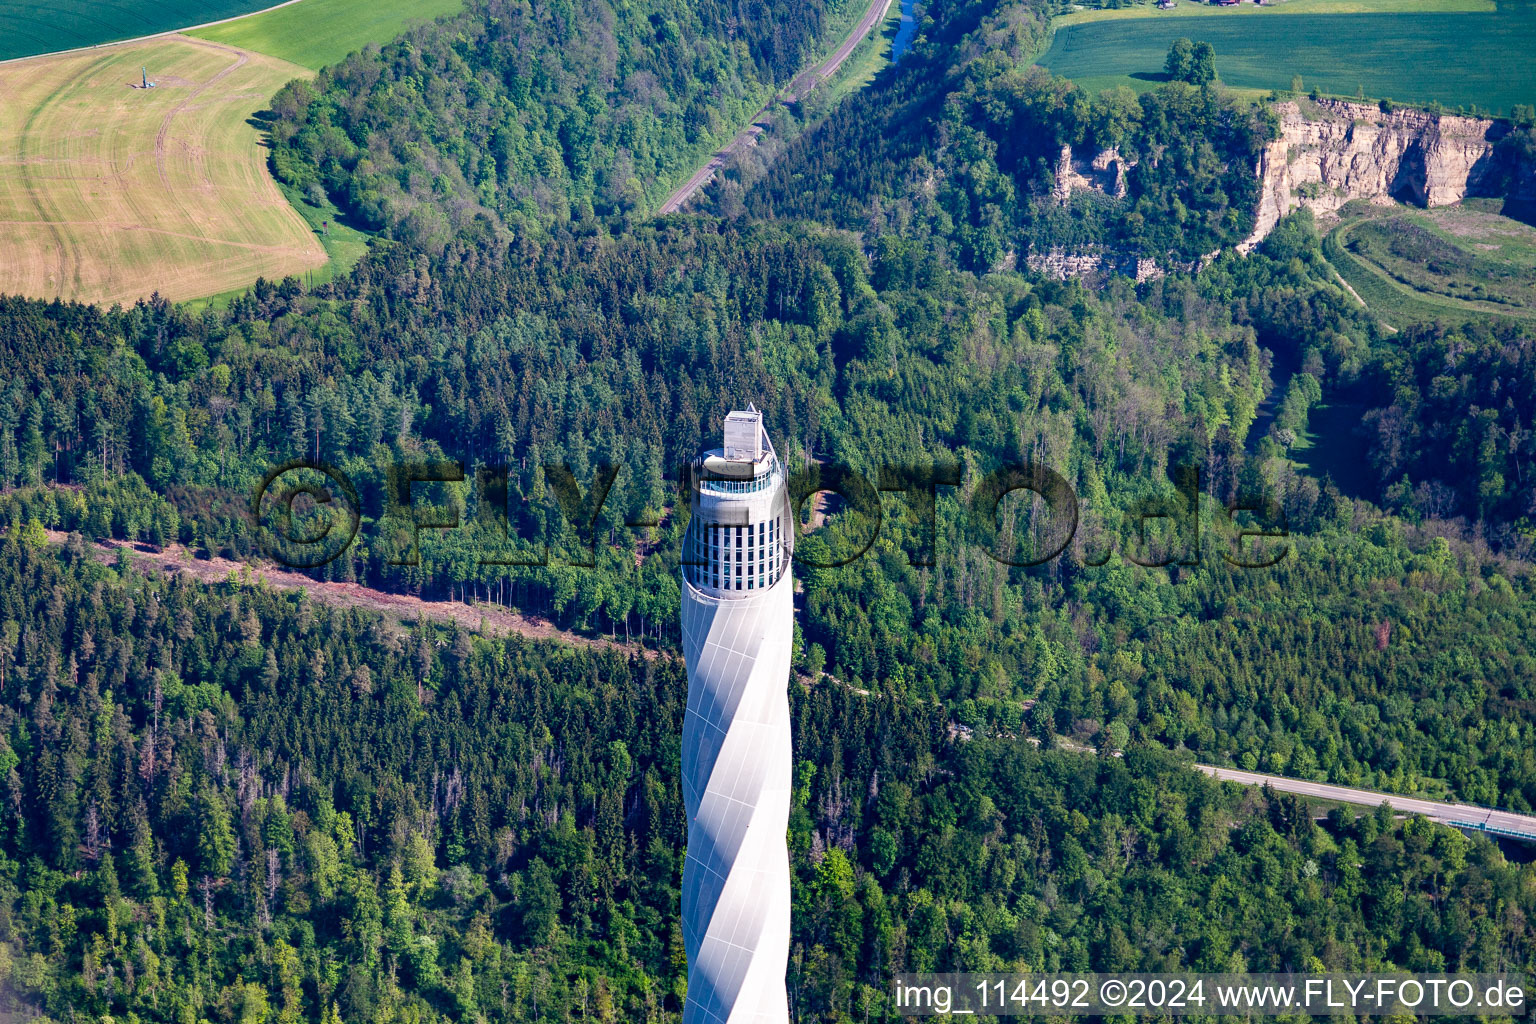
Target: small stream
{"points": [[905, 33], [1280, 374]]}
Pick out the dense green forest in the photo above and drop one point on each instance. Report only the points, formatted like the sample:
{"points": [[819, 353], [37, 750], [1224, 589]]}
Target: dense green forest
{"points": [[173, 418], [959, 145], [1111, 389], [516, 115], [233, 803], [1452, 432]]}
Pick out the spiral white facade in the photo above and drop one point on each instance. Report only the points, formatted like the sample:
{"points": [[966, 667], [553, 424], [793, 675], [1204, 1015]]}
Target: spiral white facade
{"points": [[738, 628]]}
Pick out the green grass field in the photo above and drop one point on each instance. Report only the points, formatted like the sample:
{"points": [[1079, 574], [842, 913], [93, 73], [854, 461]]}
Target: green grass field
{"points": [[1331, 449], [315, 33], [29, 27], [1194, 9], [1417, 57]]}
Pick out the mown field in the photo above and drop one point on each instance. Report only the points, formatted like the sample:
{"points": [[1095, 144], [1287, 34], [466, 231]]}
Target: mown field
{"points": [[29, 27], [315, 33], [1456, 57], [109, 192]]}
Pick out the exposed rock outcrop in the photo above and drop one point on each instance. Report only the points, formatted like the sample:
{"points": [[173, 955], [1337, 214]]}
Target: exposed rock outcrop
{"points": [[1332, 151], [1328, 153], [1105, 173], [1061, 189], [1061, 263], [1111, 164]]}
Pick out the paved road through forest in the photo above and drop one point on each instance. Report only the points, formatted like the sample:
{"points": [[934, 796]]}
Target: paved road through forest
{"points": [[1506, 823]]}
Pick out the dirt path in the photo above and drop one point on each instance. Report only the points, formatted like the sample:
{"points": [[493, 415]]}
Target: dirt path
{"points": [[163, 232], [1348, 287], [799, 88], [402, 608]]}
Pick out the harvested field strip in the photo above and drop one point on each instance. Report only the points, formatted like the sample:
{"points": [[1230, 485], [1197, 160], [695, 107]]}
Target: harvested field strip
{"points": [[109, 192]]}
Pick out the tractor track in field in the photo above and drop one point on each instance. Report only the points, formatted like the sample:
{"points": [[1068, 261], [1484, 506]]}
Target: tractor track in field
{"points": [[34, 189], [165, 232], [241, 59]]}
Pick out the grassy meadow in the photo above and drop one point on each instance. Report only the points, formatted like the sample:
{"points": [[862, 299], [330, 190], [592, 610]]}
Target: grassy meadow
{"points": [[1483, 260], [109, 191], [315, 33], [29, 27], [872, 56], [1380, 48], [1195, 9], [1450, 263]]}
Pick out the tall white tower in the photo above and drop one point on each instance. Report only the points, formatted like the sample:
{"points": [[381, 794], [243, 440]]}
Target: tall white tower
{"points": [[738, 627]]}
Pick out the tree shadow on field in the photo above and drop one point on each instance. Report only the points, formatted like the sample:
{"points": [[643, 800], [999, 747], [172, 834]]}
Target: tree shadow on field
{"points": [[1151, 76], [1523, 210], [264, 121], [317, 207]]}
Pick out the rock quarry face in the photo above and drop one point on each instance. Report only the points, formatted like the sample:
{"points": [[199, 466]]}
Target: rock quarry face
{"points": [[1328, 153], [1335, 151]]}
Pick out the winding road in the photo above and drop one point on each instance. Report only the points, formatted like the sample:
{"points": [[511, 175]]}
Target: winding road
{"points": [[799, 88], [1481, 819]]}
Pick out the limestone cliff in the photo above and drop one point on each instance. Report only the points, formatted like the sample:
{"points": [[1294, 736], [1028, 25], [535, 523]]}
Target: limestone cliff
{"points": [[1328, 153], [1332, 151], [1062, 263]]}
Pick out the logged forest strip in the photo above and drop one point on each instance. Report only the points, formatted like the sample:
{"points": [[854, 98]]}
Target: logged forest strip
{"points": [[175, 558], [403, 608]]}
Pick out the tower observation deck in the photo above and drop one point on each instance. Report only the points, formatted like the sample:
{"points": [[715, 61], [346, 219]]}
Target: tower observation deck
{"points": [[738, 627]]}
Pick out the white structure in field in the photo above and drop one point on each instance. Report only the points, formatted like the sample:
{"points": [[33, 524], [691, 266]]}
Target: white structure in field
{"points": [[738, 627]]}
